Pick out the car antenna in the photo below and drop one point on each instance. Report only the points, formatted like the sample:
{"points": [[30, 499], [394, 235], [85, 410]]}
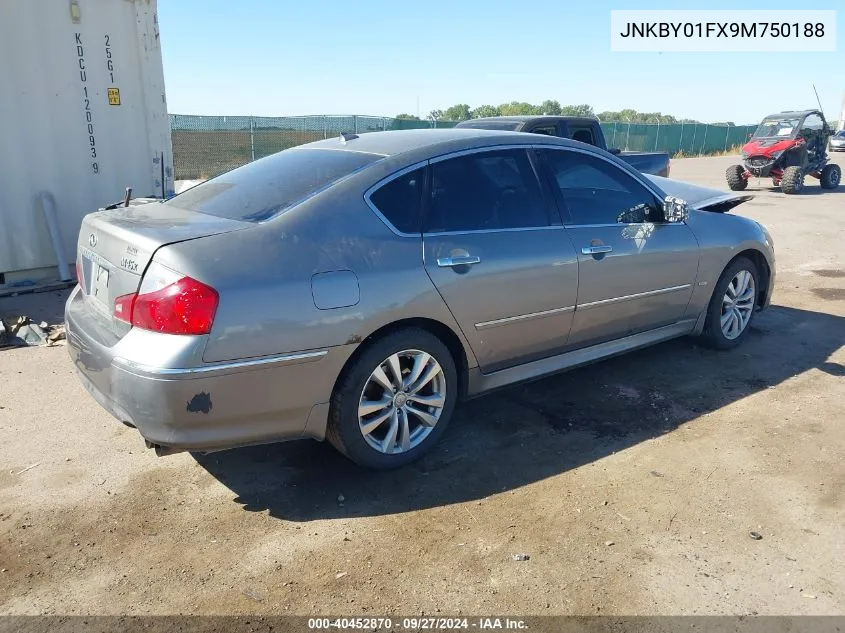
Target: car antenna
{"points": [[347, 136], [818, 100]]}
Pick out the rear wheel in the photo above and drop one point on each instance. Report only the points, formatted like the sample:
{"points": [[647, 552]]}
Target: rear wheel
{"points": [[732, 305], [793, 180], [734, 176], [831, 176], [394, 402]]}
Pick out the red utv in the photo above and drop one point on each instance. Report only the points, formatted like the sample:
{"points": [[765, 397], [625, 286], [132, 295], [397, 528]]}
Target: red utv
{"points": [[786, 147]]}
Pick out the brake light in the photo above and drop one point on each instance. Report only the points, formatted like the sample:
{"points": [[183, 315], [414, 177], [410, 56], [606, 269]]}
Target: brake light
{"points": [[79, 278], [169, 303], [123, 307]]}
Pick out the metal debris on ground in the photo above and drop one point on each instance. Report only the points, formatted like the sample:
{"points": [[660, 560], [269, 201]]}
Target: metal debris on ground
{"points": [[254, 595], [57, 334], [521, 557], [756, 536], [21, 472], [23, 332]]}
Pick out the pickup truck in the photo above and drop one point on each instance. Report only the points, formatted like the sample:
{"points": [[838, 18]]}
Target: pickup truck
{"points": [[583, 129]]}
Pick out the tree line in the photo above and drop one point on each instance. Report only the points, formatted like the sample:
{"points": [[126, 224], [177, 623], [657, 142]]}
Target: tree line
{"points": [[463, 112]]}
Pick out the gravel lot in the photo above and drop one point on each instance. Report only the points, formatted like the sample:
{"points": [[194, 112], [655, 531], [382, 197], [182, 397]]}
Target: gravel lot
{"points": [[632, 484]]}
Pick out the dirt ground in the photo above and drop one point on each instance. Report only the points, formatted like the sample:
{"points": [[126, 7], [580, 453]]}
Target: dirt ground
{"points": [[633, 484]]}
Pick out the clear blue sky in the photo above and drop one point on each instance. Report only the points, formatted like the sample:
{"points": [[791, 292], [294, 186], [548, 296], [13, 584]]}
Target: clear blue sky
{"points": [[285, 57]]}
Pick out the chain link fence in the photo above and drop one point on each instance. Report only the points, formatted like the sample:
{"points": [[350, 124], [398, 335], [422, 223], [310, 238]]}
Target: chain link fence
{"points": [[205, 146], [688, 139]]}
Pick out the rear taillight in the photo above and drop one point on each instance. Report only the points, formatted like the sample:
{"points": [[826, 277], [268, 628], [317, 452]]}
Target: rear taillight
{"points": [[79, 278], [170, 303], [123, 307]]}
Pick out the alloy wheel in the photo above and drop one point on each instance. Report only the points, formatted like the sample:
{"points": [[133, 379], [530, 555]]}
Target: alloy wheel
{"points": [[738, 304], [402, 401]]}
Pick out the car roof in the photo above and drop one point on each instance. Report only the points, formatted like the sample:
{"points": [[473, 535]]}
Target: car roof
{"points": [[792, 114], [425, 143], [523, 118]]}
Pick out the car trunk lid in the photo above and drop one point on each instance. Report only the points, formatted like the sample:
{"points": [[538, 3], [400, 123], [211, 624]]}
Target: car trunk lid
{"points": [[116, 245]]}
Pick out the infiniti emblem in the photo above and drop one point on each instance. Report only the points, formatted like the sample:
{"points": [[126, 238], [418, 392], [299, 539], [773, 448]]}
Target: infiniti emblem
{"points": [[92, 240]]}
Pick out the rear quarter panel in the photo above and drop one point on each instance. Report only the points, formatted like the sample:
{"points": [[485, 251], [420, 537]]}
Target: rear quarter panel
{"points": [[264, 277]]}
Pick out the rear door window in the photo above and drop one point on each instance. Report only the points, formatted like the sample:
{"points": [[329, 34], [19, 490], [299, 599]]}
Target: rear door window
{"points": [[548, 130], [485, 191], [261, 189], [400, 201], [583, 134]]}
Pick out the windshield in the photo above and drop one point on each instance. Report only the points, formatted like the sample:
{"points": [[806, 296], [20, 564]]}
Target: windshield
{"points": [[773, 128], [261, 189]]}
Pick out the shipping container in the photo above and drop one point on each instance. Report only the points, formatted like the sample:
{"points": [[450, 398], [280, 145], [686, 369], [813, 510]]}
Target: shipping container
{"points": [[83, 115]]}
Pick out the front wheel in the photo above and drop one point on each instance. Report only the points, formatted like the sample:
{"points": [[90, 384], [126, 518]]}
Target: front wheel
{"points": [[793, 180], [731, 307], [394, 401], [735, 175], [831, 176]]}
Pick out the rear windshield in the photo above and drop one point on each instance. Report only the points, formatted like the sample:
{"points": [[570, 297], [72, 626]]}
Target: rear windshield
{"points": [[261, 189], [507, 126]]}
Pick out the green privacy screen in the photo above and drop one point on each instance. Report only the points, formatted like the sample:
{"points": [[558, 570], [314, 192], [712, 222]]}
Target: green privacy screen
{"points": [[205, 146], [695, 139]]}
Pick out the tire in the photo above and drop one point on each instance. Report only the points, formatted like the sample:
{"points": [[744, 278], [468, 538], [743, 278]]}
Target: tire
{"points": [[734, 177], [714, 334], [347, 426], [792, 181], [831, 176]]}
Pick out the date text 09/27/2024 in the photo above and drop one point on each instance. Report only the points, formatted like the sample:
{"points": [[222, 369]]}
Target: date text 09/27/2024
{"points": [[417, 624]]}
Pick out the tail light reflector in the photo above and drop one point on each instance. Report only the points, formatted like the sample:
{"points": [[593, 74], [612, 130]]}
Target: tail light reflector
{"points": [[170, 303], [80, 279]]}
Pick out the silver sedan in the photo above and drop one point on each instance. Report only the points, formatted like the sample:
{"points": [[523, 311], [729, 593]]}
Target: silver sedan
{"points": [[355, 289], [837, 141]]}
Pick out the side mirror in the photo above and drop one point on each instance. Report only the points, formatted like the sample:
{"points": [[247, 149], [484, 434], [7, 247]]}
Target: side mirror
{"points": [[675, 210], [614, 150]]}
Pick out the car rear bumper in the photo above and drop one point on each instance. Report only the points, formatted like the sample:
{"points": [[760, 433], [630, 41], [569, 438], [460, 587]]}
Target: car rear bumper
{"points": [[202, 406]]}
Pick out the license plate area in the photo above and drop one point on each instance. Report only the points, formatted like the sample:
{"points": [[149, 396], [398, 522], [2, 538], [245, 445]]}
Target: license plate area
{"points": [[97, 276], [100, 283]]}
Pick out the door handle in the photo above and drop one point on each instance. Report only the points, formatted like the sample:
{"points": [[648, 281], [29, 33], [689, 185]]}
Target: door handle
{"points": [[595, 250], [460, 260]]}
